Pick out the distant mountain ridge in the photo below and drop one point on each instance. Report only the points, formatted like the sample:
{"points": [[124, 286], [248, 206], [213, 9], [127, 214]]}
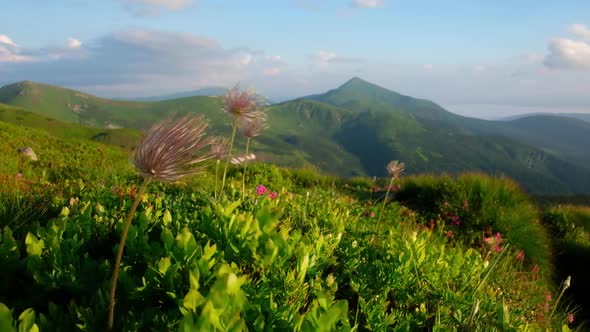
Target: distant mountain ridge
{"points": [[356, 129], [203, 92], [580, 116]]}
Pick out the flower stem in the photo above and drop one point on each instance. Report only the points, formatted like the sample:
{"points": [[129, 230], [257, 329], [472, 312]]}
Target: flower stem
{"points": [[384, 202], [138, 196], [245, 167], [216, 176], [231, 144]]}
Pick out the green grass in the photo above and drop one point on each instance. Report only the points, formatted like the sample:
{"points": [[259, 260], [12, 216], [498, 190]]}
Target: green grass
{"points": [[309, 260]]}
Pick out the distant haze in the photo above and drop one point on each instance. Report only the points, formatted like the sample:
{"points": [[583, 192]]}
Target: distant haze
{"points": [[499, 112]]}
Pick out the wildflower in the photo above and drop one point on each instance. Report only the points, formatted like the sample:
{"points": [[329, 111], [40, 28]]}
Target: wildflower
{"points": [[272, 195], [395, 168], [246, 109], [242, 159], [252, 127], [494, 242], [261, 190], [243, 105], [520, 256], [170, 150], [354, 244], [219, 148], [449, 234], [570, 318], [567, 282]]}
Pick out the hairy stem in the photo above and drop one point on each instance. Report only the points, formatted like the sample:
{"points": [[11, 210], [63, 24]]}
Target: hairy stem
{"points": [[245, 168], [138, 195], [231, 144], [384, 202], [216, 176]]}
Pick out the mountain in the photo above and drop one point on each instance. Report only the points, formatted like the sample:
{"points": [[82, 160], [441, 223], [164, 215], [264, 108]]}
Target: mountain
{"points": [[580, 116], [204, 92], [353, 130]]}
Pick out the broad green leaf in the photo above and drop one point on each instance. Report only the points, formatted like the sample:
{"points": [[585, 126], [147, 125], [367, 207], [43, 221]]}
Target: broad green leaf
{"points": [[167, 238], [34, 246], [194, 278], [230, 208], [65, 211], [193, 300], [163, 265], [186, 241], [8, 245], [167, 219], [27, 321], [6, 319]]}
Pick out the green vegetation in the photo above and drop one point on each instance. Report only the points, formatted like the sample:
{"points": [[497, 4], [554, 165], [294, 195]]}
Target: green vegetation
{"points": [[309, 259], [354, 130]]}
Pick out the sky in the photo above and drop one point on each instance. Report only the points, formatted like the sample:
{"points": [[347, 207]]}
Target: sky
{"points": [[478, 58]]}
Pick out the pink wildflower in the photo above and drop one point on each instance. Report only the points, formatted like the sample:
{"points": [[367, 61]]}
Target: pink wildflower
{"points": [[272, 195], [449, 234], [570, 318], [261, 190], [520, 256]]}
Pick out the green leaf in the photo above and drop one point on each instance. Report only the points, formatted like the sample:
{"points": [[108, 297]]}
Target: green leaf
{"points": [[6, 319], [230, 208], [193, 300], [167, 238], [194, 278], [163, 265], [27, 321], [34, 246], [8, 245], [167, 219], [186, 241]]}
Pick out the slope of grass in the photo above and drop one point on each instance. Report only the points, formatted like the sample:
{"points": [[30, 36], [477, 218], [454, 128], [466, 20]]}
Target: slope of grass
{"points": [[349, 131], [310, 259]]}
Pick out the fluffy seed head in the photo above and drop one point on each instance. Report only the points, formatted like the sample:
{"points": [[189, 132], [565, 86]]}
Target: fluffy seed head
{"points": [[253, 127], [243, 104], [171, 149], [395, 168], [219, 148]]}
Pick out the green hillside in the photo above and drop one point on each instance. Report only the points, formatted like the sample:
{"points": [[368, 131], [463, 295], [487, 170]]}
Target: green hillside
{"points": [[123, 137], [349, 131], [319, 254]]}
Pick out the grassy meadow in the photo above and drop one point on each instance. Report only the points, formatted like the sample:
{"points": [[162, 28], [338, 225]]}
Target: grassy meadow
{"points": [[300, 251]]}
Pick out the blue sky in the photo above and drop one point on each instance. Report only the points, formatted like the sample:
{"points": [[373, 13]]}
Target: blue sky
{"points": [[511, 55]]}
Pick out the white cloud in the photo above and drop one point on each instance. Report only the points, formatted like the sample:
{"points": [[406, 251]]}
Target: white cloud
{"points": [[326, 56], [165, 4], [74, 43], [274, 58], [5, 40], [581, 31], [367, 3], [568, 54], [10, 52], [428, 66], [141, 62]]}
